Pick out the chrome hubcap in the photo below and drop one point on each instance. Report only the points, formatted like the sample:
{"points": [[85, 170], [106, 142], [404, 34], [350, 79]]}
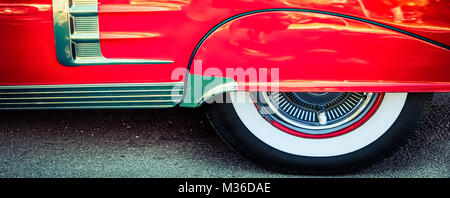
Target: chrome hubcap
{"points": [[315, 112]]}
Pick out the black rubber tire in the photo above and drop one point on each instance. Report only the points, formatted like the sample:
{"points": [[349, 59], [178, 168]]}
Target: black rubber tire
{"points": [[231, 129]]}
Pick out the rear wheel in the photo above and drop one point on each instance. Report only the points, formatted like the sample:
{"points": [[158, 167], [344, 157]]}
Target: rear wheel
{"points": [[320, 131]]}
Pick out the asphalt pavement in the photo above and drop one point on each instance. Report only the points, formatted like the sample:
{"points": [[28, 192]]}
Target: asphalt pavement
{"points": [[176, 142]]}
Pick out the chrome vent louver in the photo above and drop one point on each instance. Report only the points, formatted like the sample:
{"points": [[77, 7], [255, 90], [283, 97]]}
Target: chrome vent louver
{"points": [[84, 31], [77, 35]]}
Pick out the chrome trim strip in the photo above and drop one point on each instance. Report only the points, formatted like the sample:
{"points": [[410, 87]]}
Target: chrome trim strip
{"points": [[227, 87], [90, 102], [86, 107], [85, 37], [73, 92], [150, 85], [91, 96], [86, 97], [76, 25], [84, 10]]}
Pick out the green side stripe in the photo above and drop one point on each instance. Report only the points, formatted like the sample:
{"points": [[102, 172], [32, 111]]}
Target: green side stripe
{"points": [[201, 88]]}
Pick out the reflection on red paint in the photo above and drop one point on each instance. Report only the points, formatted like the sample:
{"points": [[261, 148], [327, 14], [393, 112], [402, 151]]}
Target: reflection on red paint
{"points": [[314, 50], [22, 8]]}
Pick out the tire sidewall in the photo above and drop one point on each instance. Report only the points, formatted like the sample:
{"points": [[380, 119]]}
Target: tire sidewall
{"points": [[235, 133]]}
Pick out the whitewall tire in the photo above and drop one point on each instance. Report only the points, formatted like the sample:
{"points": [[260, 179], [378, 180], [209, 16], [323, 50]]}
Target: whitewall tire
{"points": [[242, 126]]}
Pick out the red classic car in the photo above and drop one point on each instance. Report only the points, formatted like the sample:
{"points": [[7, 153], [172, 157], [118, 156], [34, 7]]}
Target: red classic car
{"points": [[295, 85]]}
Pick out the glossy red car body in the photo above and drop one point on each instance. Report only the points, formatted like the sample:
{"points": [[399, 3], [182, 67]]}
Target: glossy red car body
{"points": [[317, 45], [113, 54]]}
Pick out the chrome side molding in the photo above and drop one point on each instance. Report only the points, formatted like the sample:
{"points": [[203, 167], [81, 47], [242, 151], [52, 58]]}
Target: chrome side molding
{"points": [[91, 96]]}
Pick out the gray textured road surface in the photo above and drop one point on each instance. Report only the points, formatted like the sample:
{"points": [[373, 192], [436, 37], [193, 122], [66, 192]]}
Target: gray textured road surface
{"points": [[174, 142]]}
